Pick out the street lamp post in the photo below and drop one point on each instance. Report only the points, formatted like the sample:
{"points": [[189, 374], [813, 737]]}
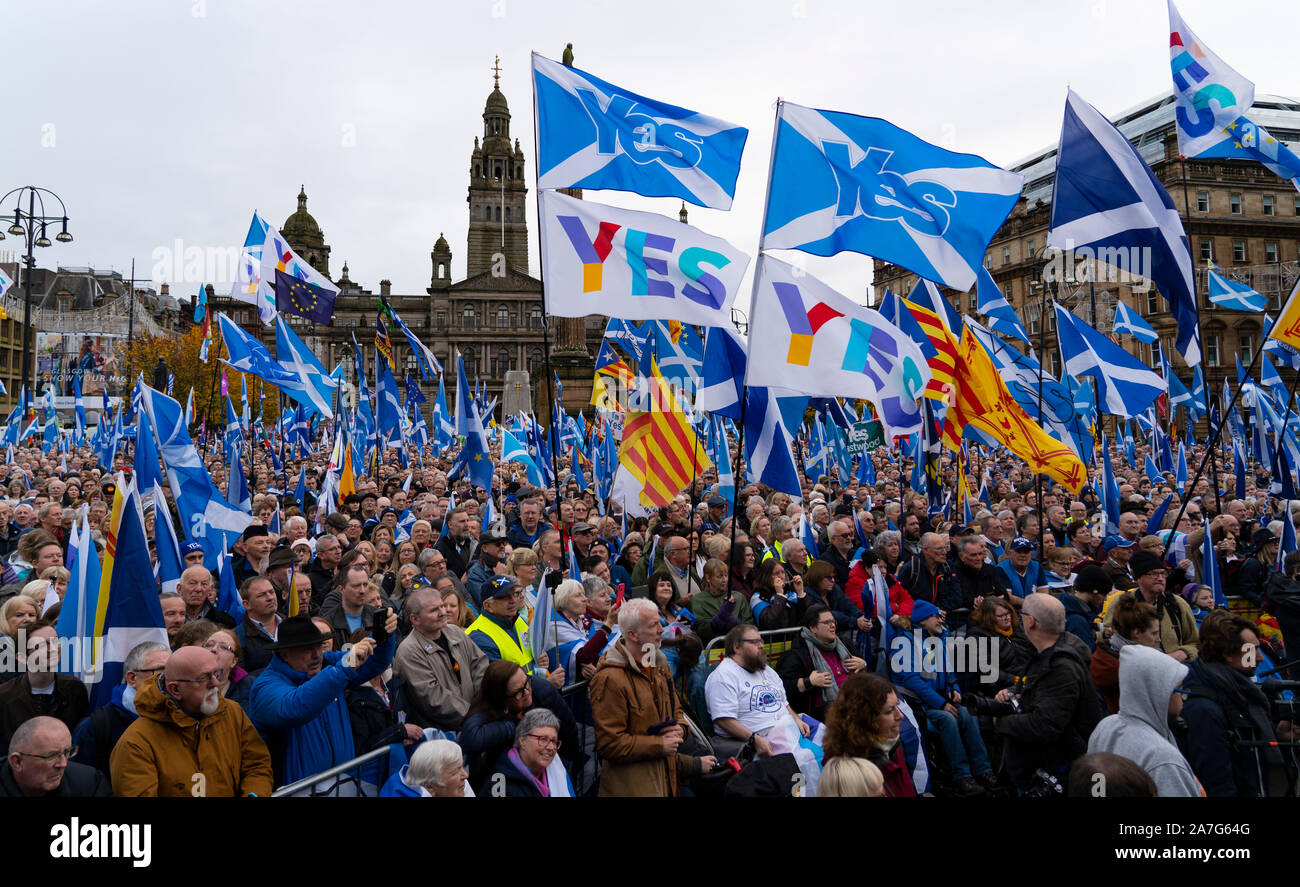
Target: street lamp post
{"points": [[31, 224]]}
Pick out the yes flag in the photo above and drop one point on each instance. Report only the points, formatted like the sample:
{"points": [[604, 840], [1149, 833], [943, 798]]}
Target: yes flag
{"points": [[843, 182], [1106, 198], [1208, 95], [816, 341], [593, 134], [603, 260], [1127, 386]]}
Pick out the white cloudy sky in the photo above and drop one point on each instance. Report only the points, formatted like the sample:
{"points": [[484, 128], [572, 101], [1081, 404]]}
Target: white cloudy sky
{"points": [[164, 121]]}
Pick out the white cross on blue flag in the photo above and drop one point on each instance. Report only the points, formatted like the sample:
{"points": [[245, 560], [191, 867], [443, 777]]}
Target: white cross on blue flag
{"points": [[844, 182]]}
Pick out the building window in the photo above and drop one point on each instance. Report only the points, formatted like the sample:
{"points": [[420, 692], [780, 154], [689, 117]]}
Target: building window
{"points": [[1153, 302], [498, 214], [1007, 290], [1055, 362], [1207, 251], [1239, 251], [988, 259], [507, 213], [535, 318], [1030, 250], [534, 359], [1212, 350], [974, 301], [1031, 314], [1270, 253], [1247, 347], [1269, 204], [1006, 255], [468, 319], [503, 318], [441, 320], [1297, 205], [1234, 203], [1202, 201]]}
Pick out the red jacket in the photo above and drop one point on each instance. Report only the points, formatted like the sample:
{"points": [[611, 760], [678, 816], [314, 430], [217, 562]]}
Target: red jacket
{"points": [[900, 602]]}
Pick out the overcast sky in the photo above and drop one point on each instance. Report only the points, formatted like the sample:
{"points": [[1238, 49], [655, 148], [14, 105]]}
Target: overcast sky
{"points": [[165, 121]]}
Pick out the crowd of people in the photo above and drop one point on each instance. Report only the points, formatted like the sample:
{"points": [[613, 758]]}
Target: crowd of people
{"points": [[849, 641]]}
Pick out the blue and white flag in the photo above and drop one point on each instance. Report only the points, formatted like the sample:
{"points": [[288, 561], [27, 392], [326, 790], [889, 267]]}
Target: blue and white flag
{"points": [[769, 414], [1208, 95], [5, 282], [993, 304], [466, 415], [1231, 294], [424, 358], [278, 255], [388, 406], [1210, 568], [237, 492], [1129, 323], [593, 134], [1106, 199], [723, 380], [313, 387], [680, 359], [843, 182], [248, 355], [1127, 386], [79, 413], [475, 459], [166, 543]]}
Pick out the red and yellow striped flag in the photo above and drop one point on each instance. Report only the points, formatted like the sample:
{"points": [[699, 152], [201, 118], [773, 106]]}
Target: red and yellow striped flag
{"points": [[659, 448], [943, 365]]}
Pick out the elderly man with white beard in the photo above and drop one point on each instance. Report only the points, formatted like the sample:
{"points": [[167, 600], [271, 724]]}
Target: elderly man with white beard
{"points": [[189, 740]]}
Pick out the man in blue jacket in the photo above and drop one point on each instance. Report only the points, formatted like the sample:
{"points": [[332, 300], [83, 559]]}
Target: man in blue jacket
{"points": [[297, 701]]}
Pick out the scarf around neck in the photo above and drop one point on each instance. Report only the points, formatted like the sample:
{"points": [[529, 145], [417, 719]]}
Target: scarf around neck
{"points": [[815, 650]]}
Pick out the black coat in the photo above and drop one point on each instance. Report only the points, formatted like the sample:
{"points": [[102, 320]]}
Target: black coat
{"points": [[797, 663], [941, 587], [1059, 708], [97, 735], [68, 703], [1014, 654], [1250, 580], [79, 781], [1222, 710], [987, 581], [375, 724]]}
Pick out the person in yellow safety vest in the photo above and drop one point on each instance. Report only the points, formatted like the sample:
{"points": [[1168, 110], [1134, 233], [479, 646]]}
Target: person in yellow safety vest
{"points": [[502, 633]]}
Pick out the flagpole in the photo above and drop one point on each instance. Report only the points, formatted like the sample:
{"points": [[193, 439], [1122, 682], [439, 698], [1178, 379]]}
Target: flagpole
{"points": [[1042, 355], [1196, 294]]}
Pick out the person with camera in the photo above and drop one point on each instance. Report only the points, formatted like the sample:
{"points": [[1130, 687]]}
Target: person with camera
{"points": [[442, 667], [1229, 722], [1046, 718], [297, 701]]}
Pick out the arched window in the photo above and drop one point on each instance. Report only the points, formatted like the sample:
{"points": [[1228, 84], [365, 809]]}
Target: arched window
{"points": [[504, 320], [468, 318], [471, 361], [498, 214], [535, 318], [534, 360], [507, 213]]}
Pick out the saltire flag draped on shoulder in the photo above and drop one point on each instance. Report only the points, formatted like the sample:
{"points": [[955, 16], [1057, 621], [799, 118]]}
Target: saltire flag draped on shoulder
{"points": [[1129, 323], [604, 260], [1106, 198], [981, 400], [816, 341], [659, 447], [1212, 101], [593, 134], [844, 182], [1127, 386]]}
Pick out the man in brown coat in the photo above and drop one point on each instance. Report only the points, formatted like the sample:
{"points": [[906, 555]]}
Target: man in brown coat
{"points": [[442, 667], [189, 740], [636, 712]]}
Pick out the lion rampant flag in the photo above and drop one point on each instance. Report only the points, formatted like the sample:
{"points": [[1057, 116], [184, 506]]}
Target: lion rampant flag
{"points": [[659, 448], [980, 398]]}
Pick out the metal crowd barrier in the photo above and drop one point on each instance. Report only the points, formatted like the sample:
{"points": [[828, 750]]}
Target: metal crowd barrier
{"points": [[337, 782]]}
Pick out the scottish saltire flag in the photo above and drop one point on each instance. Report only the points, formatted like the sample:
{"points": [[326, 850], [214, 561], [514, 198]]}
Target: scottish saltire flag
{"points": [[593, 134], [5, 282], [1232, 294], [679, 351], [389, 407], [249, 355], [1282, 484], [79, 413], [166, 543], [993, 304], [1179, 396], [769, 414], [419, 429], [147, 476], [1210, 568], [1106, 198], [466, 417], [1287, 543], [1127, 386], [605, 260], [816, 341], [1272, 379], [635, 338], [424, 358], [1153, 471], [127, 611], [205, 514], [808, 536], [1129, 323], [312, 386], [723, 380], [247, 286], [1158, 516], [843, 182], [720, 454], [237, 492], [300, 491], [228, 600]]}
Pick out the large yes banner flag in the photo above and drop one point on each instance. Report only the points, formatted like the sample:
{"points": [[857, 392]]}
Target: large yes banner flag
{"points": [[844, 182], [622, 263], [816, 341], [593, 134]]}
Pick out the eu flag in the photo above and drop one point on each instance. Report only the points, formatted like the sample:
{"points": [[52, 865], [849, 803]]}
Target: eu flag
{"points": [[302, 298]]}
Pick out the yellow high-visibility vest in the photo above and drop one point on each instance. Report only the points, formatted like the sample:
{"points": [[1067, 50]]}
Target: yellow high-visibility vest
{"points": [[510, 651]]}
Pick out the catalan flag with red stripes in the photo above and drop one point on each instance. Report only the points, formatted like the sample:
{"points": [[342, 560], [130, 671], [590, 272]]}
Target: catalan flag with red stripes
{"points": [[659, 448], [943, 362]]}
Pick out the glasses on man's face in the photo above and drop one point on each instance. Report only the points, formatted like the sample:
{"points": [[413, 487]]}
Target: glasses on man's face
{"points": [[758, 641], [543, 741], [216, 645], [69, 753], [204, 679]]}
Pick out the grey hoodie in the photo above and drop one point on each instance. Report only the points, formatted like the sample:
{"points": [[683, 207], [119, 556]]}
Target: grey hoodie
{"points": [[1140, 732]]}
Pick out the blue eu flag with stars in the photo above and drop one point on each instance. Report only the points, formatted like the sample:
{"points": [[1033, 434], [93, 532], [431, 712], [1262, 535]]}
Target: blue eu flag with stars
{"points": [[302, 298]]}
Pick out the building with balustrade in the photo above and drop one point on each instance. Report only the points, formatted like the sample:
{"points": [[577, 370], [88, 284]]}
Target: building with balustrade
{"points": [[1236, 213]]}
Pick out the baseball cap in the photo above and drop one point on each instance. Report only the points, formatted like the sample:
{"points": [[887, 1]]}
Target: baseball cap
{"points": [[500, 586], [1115, 541], [1022, 543], [188, 548]]}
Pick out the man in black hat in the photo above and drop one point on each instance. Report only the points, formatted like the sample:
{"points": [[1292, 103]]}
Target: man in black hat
{"points": [[1253, 572], [492, 551], [297, 701], [1178, 634], [278, 566], [717, 510], [257, 545]]}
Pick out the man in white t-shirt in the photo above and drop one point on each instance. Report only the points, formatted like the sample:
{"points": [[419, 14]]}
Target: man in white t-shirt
{"points": [[745, 695]]}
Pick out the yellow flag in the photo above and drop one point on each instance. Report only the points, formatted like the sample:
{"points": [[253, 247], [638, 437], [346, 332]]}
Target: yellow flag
{"points": [[1287, 328]]}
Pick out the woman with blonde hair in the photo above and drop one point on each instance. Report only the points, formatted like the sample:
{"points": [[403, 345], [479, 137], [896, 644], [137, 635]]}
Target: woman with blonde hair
{"points": [[851, 778]]}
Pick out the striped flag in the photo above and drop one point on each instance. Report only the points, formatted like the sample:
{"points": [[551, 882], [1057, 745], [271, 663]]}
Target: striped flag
{"points": [[659, 447], [943, 362]]}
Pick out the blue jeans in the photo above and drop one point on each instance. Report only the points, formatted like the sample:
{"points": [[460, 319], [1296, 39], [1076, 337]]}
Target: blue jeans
{"points": [[961, 741]]}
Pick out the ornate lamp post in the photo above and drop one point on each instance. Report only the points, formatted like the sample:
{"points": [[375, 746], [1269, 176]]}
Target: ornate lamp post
{"points": [[32, 224]]}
